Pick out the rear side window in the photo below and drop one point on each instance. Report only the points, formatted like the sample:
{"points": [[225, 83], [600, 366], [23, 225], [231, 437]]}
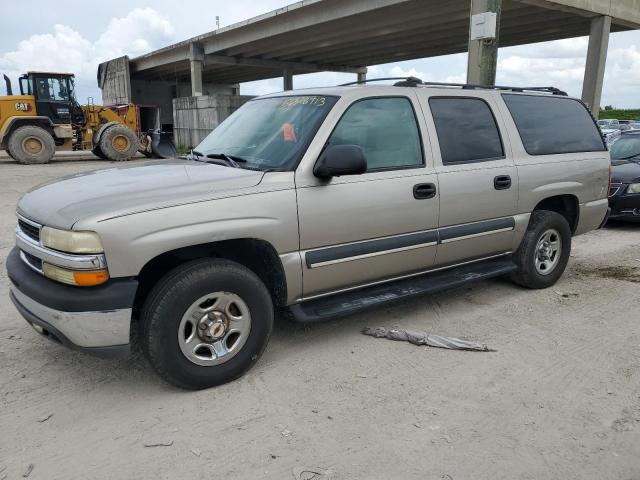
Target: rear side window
{"points": [[549, 125], [387, 131], [467, 130]]}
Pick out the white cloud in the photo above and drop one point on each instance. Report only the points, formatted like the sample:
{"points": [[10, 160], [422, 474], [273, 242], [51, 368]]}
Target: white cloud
{"points": [[142, 30], [562, 63], [67, 50]]}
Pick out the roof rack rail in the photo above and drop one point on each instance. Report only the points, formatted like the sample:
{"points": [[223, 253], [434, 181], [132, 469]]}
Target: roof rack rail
{"points": [[416, 82]]}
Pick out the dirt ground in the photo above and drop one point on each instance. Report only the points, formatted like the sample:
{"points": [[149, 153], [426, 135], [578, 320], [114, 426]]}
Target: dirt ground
{"points": [[559, 399]]}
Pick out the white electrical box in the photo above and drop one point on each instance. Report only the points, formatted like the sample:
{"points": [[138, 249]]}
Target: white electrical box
{"points": [[483, 26]]}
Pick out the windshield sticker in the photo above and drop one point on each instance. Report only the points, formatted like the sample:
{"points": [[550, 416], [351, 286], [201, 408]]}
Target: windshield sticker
{"points": [[289, 132], [297, 101]]}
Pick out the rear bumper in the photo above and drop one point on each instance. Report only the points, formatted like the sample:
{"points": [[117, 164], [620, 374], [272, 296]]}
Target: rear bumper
{"points": [[592, 215], [96, 320]]}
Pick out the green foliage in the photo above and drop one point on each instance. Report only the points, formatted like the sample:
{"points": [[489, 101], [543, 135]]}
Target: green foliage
{"points": [[183, 149], [629, 114]]}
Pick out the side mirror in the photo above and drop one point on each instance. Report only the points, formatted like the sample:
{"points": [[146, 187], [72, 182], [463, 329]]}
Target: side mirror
{"points": [[339, 160]]}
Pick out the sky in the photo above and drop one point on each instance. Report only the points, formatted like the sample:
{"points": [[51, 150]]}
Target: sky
{"points": [[76, 39]]}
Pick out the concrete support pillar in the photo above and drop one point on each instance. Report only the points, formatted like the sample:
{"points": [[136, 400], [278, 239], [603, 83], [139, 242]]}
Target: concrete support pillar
{"points": [[596, 59], [287, 79], [196, 60], [483, 53], [362, 75]]}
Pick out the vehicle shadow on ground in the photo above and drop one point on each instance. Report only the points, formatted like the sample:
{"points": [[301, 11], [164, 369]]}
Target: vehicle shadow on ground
{"points": [[135, 374], [626, 226]]}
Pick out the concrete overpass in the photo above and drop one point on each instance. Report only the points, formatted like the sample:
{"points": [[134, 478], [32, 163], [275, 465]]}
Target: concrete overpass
{"points": [[347, 35]]}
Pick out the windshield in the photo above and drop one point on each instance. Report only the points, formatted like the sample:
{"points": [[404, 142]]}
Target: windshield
{"points": [[269, 133], [626, 147]]}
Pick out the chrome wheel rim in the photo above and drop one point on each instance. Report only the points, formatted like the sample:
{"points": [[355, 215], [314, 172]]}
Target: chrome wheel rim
{"points": [[214, 328], [548, 251]]}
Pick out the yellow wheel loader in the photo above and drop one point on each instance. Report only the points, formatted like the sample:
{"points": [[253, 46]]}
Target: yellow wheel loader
{"points": [[46, 116]]}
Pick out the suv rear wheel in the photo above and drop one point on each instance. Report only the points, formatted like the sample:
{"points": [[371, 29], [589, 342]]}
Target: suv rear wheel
{"points": [[544, 252], [206, 323]]}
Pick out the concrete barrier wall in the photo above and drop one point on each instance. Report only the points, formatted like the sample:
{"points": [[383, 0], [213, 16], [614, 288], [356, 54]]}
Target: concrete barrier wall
{"points": [[195, 117]]}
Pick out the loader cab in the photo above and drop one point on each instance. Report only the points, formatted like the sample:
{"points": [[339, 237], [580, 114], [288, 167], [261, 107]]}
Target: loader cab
{"points": [[54, 94]]}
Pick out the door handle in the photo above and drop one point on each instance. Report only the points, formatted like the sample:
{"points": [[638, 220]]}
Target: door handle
{"points": [[502, 182], [423, 191]]}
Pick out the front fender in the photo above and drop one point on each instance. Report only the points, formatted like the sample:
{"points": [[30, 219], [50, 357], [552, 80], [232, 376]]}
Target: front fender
{"points": [[8, 125]]}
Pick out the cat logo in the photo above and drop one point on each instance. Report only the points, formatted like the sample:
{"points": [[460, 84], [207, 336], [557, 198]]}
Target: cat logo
{"points": [[23, 107]]}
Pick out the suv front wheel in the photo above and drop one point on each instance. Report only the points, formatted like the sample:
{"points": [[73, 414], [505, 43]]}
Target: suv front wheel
{"points": [[206, 323], [544, 252]]}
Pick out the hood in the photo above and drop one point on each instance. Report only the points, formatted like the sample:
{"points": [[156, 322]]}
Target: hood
{"points": [[117, 191], [625, 171]]}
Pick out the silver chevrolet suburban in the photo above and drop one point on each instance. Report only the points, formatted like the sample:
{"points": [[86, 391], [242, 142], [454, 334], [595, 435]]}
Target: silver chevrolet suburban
{"points": [[318, 203]]}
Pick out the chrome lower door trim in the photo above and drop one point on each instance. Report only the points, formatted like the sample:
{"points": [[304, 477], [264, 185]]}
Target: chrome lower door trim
{"points": [[374, 254]]}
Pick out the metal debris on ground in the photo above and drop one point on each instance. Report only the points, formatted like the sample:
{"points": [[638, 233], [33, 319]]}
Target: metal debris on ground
{"points": [[424, 338]]}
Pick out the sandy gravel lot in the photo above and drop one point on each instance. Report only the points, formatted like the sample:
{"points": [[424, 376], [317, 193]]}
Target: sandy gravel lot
{"points": [[560, 399]]}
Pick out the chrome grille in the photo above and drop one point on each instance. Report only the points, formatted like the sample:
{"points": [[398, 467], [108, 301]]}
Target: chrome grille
{"points": [[31, 230]]}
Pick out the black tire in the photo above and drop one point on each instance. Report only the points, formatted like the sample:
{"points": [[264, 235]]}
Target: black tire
{"points": [[527, 275], [98, 153], [118, 143], [31, 145], [171, 298]]}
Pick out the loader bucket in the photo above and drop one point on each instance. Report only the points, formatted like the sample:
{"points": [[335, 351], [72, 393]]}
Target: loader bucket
{"points": [[162, 145]]}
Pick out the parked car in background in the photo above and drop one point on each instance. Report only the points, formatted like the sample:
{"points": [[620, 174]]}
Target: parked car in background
{"points": [[608, 123], [610, 135], [624, 193]]}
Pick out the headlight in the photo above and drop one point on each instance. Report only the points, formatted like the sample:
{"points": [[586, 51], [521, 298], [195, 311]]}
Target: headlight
{"points": [[70, 241], [79, 278], [634, 188]]}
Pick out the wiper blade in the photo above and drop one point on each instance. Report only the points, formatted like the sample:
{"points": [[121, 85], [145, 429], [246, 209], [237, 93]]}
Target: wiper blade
{"points": [[230, 159]]}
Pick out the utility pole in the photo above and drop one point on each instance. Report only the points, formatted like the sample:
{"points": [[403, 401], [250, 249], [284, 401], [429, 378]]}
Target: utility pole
{"points": [[484, 29]]}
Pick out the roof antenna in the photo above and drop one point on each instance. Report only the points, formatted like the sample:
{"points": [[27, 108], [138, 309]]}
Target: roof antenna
{"points": [[217, 22]]}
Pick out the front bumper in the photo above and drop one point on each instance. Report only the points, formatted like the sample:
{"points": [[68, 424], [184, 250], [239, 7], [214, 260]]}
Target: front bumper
{"points": [[96, 320], [624, 205]]}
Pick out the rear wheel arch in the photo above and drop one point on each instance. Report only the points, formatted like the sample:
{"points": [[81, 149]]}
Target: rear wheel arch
{"points": [[257, 255], [566, 205]]}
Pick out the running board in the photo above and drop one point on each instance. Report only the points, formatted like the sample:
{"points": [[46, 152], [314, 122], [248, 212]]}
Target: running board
{"points": [[361, 299]]}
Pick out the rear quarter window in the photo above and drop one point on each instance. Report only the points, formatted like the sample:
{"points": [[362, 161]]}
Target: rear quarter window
{"points": [[552, 125]]}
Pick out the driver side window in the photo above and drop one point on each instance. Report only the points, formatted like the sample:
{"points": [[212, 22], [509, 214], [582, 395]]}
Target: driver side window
{"points": [[385, 129]]}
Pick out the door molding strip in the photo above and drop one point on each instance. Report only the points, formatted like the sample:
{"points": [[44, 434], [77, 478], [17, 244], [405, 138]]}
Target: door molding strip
{"points": [[399, 243]]}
